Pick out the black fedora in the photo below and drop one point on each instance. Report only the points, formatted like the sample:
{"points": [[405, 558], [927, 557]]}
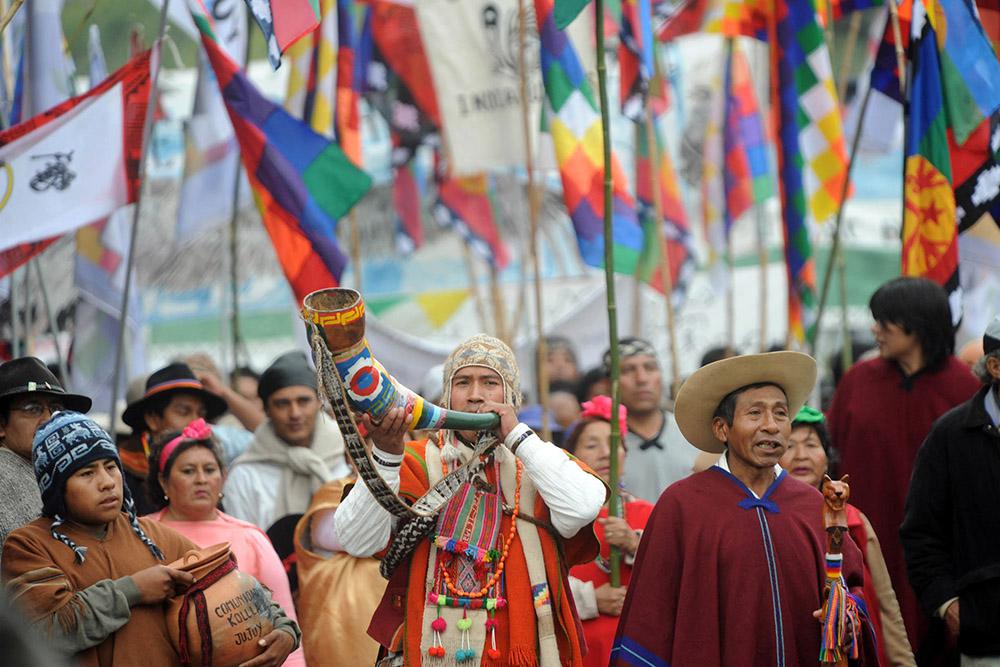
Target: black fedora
{"points": [[28, 375], [177, 377]]}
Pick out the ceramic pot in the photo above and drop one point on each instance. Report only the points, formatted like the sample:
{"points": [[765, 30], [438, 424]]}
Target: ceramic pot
{"points": [[219, 619]]}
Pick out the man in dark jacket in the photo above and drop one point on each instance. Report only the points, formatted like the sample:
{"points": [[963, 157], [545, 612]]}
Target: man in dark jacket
{"points": [[951, 530]]}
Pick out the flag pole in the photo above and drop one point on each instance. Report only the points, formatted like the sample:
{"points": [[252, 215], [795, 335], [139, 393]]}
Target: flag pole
{"points": [[653, 146], [234, 225], [50, 314], [15, 330], [541, 351], [835, 243], [352, 219], [470, 270], [9, 15], [762, 263], [499, 316], [614, 499], [130, 260]]}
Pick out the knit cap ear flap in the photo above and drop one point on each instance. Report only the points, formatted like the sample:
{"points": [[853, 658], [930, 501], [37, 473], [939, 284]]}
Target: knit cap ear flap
{"points": [[65, 443]]}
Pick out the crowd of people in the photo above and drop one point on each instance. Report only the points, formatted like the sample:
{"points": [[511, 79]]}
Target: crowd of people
{"points": [[500, 547]]}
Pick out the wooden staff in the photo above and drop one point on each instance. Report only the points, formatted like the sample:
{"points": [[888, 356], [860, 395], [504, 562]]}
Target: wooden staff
{"points": [[897, 36], [130, 260], [541, 351]]}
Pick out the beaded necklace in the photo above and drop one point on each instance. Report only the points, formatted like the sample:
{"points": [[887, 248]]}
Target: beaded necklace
{"points": [[466, 599]]}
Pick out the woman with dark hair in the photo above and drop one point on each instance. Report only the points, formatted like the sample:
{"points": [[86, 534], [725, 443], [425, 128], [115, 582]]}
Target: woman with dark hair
{"points": [[810, 456], [185, 483], [598, 604], [883, 409]]}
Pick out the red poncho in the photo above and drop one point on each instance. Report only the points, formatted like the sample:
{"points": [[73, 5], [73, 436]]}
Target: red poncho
{"points": [[723, 578]]}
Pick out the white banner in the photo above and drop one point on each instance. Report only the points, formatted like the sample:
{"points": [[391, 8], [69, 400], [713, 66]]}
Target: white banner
{"points": [[473, 51], [66, 174]]}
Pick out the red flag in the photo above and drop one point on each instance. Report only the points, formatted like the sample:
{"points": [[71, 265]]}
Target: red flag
{"points": [[135, 79]]}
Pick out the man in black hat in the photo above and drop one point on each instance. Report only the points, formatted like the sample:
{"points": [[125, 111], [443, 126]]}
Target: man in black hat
{"points": [[951, 529], [29, 394], [293, 453], [174, 398]]}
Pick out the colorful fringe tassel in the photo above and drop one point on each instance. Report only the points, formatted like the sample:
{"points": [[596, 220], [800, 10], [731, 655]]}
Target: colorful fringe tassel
{"points": [[841, 620]]}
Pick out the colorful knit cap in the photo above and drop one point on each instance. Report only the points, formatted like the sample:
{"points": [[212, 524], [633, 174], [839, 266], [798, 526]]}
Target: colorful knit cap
{"points": [[809, 415], [65, 443], [492, 353]]}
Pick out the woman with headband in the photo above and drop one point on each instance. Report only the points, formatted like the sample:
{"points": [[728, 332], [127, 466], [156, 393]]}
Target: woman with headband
{"points": [[185, 481], [598, 604]]}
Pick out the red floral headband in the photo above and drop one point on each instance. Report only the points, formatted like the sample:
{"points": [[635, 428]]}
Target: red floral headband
{"points": [[196, 430], [599, 407]]}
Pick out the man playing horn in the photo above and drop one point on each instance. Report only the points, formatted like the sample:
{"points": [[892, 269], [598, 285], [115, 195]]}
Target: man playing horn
{"points": [[731, 565], [488, 585]]}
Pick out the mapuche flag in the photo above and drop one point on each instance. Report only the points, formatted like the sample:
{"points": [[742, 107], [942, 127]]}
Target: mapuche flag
{"points": [[930, 235], [954, 95], [72, 165], [302, 181]]}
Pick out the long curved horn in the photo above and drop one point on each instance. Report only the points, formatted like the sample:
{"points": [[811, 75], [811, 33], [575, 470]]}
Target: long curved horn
{"points": [[339, 314]]}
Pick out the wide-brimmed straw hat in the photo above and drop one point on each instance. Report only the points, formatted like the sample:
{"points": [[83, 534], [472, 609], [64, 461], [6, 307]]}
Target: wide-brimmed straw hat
{"points": [[175, 378], [701, 394]]}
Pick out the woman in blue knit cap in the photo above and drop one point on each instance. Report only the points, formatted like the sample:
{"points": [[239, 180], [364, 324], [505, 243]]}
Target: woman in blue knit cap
{"points": [[88, 571]]}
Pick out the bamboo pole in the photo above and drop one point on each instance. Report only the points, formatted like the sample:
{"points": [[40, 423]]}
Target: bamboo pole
{"points": [[50, 314], [653, 146], [130, 260], [614, 499], [541, 353]]}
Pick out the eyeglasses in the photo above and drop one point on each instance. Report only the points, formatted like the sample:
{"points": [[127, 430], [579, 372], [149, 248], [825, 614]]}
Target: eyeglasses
{"points": [[36, 409]]}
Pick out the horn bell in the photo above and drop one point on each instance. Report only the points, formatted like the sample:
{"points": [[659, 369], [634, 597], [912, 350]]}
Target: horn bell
{"points": [[338, 314]]}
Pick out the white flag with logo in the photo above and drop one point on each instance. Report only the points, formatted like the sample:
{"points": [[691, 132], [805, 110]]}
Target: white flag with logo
{"points": [[66, 174]]}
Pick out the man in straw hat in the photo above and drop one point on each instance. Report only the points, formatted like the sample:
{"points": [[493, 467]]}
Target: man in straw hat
{"points": [[731, 565], [489, 587]]}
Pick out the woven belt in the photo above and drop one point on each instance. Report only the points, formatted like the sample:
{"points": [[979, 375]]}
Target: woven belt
{"points": [[333, 393]]}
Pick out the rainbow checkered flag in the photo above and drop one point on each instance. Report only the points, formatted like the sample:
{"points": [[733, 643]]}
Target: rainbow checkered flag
{"points": [[812, 158], [575, 124]]}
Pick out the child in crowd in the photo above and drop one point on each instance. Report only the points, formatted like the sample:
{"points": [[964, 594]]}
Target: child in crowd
{"points": [[89, 572]]}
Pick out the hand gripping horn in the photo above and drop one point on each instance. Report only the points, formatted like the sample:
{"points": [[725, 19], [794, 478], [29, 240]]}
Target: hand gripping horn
{"points": [[352, 379]]}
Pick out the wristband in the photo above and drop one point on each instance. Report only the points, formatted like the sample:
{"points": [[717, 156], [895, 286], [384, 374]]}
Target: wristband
{"points": [[521, 438], [385, 464]]}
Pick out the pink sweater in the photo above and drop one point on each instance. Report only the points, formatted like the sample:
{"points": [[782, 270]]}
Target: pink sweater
{"points": [[253, 552]]}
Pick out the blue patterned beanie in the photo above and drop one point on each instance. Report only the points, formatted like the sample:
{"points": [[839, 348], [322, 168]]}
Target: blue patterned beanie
{"points": [[65, 443]]}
